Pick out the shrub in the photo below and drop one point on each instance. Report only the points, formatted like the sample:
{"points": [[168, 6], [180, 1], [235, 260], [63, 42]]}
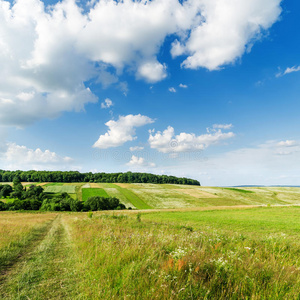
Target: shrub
{"points": [[102, 203]]}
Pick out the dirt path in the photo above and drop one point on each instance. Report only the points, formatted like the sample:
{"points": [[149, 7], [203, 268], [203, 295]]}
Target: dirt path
{"points": [[46, 272]]}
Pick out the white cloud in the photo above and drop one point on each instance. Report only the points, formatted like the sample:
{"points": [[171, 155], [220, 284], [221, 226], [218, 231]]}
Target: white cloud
{"points": [[152, 71], [121, 131], [222, 126], [183, 86], [172, 90], [107, 103], [21, 157], [48, 53], [287, 143], [258, 165], [139, 162], [168, 142], [136, 148], [288, 71], [227, 30]]}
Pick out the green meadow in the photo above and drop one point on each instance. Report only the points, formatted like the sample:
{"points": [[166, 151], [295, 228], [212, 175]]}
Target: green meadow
{"points": [[209, 253], [177, 242]]}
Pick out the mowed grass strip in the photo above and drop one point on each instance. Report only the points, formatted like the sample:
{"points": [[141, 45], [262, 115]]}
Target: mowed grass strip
{"points": [[47, 272], [57, 188], [131, 197], [91, 192]]}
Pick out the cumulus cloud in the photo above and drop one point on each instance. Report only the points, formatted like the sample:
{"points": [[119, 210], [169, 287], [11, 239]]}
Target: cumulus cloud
{"points": [[152, 71], [121, 131], [48, 53], [139, 162], [226, 31], [222, 126], [168, 142], [172, 90], [136, 148], [107, 103], [21, 157]]}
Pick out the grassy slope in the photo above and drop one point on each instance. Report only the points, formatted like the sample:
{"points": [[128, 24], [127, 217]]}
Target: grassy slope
{"points": [[238, 254], [221, 254], [145, 196], [90, 192]]}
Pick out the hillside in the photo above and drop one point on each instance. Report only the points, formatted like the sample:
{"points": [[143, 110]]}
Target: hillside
{"points": [[147, 196]]}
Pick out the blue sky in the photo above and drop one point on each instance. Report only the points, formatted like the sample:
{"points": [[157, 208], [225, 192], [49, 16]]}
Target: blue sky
{"points": [[202, 89]]}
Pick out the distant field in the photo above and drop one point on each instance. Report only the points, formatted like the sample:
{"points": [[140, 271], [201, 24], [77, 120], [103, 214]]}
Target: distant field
{"points": [[143, 196], [165, 196], [90, 192], [58, 188]]}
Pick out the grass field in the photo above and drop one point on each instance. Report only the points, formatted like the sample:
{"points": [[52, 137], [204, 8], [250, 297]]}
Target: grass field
{"points": [[59, 188], [162, 196], [215, 253], [90, 192]]}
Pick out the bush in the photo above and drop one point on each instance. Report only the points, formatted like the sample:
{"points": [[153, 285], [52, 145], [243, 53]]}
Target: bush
{"points": [[102, 203], [3, 206]]}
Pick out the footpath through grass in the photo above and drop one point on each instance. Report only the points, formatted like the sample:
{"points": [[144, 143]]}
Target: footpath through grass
{"points": [[46, 272]]}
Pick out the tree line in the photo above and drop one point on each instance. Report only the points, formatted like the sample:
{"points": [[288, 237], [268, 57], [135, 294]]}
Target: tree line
{"points": [[75, 176]]}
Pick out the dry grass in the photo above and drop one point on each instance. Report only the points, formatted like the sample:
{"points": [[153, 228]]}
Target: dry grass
{"points": [[15, 226]]}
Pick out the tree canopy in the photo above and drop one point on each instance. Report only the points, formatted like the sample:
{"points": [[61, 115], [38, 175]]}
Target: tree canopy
{"points": [[75, 176]]}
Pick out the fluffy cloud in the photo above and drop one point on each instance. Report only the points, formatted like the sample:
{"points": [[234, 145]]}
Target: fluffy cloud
{"points": [[107, 103], [168, 142], [172, 90], [139, 162], [21, 157], [152, 71], [48, 53], [121, 131], [226, 31]]}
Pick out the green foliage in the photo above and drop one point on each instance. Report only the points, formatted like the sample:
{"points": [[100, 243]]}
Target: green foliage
{"points": [[3, 206], [61, 202], [5, 190], [74, 176], [102, 203]]}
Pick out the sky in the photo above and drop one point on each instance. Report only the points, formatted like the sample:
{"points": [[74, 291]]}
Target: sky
{"points": [[205, 89]]}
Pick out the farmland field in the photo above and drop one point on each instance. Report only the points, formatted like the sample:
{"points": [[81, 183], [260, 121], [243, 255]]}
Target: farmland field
{"points": [[173, 196], [90, 192], [204, 253], [146, 196]]}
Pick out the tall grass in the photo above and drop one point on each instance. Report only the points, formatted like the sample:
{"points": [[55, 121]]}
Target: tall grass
{"points": [[17, 231], [125, 257]]}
